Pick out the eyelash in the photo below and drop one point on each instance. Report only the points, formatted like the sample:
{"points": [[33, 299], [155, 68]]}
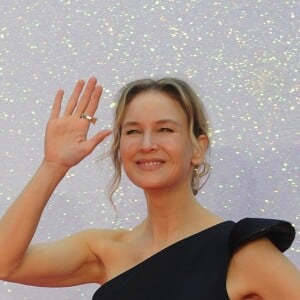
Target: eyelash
{"points": [[131, 131], [165, 129]]}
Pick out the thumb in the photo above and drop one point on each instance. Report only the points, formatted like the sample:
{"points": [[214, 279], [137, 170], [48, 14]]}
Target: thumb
{"points": [[97, 139]]}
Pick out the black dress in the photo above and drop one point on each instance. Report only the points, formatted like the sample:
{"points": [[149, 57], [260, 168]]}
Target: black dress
{"points": [[195, 267]]}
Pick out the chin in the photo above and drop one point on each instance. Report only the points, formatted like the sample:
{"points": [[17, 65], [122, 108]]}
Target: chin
{"points": [[154, 186]]}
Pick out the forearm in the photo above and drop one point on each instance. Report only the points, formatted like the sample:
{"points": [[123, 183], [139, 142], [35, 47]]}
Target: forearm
{"points": [[19, 223]]}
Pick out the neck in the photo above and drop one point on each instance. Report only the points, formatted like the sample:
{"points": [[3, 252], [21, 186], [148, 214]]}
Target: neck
{"points": [[172, 215]]}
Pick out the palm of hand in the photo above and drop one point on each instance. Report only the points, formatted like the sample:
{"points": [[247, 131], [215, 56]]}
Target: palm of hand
{"points": [[66, 140]]}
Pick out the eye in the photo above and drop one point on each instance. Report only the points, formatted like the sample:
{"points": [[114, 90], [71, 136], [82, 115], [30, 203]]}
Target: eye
{"points": [[165, 129], [132, 131]]}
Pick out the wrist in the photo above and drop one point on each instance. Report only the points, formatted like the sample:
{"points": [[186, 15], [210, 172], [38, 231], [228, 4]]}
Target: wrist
{"points": [[55, 167]]}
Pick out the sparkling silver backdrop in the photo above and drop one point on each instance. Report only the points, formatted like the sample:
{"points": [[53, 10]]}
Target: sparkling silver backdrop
{"points": [[241, 56]]}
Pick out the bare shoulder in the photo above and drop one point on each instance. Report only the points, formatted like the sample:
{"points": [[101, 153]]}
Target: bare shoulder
{"points": [[113, 249], [259, 269], [104, 234], [102, 239]]}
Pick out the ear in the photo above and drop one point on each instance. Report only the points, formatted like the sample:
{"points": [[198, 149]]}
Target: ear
{"points": [[200, 150]]}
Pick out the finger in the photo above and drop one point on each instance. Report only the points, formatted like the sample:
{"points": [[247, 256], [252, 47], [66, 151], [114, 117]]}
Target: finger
{"points": [[96, 139], [94, 102], [86, 96], [74, 97], [57, 104]]}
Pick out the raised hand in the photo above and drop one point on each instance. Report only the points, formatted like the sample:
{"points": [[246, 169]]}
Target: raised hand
{"points": [[66, 142]]}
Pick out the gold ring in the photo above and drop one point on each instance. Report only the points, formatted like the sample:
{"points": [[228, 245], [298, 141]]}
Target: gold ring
{"points": [[88, 117]]}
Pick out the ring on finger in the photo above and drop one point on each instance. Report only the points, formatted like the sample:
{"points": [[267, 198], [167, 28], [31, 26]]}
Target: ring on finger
{"points": [[88, 117]]}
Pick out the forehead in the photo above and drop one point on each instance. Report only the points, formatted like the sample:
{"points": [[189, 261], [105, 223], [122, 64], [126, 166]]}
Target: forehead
{"points": [[154, 104]]}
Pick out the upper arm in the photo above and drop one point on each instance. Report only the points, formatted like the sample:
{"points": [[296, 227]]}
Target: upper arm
{"points": [[259, 268], [70, 261]]}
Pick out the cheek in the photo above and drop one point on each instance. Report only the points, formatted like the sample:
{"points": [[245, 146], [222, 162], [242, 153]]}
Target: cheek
{"points": [[127, 146], [187, 152], [179, 144]]}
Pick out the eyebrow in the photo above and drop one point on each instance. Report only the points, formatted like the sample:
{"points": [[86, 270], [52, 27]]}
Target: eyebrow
{"points": [[159, 122]]}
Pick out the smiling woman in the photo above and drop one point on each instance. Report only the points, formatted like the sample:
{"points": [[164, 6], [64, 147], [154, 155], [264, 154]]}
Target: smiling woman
{"points": [[180, 98], [180, 250], [146, 143]]}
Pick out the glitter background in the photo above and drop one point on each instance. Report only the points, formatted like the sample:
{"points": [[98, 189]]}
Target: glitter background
{"points": [[242, 57]]}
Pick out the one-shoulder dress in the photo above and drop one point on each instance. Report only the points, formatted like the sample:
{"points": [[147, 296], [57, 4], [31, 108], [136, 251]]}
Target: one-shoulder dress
{"points": [[195, 267]]}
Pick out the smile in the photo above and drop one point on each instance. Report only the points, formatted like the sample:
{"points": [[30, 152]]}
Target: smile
{"points": [[150, 165]]}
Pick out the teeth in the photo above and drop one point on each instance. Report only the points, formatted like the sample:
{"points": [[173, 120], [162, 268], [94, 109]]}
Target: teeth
{"points": [[152, 163]]}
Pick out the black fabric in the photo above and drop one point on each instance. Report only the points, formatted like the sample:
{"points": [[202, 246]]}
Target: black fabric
{"points": [[281, 233], [195, 267]]}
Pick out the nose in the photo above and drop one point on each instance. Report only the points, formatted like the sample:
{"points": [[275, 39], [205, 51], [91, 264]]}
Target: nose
{"points": [[147, 143]]}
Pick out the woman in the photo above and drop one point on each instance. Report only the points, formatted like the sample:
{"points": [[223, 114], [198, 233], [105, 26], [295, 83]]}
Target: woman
{"points": [[181, 250]]}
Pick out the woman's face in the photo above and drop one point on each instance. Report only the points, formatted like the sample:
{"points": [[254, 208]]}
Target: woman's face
{"points": [[155, 147]]}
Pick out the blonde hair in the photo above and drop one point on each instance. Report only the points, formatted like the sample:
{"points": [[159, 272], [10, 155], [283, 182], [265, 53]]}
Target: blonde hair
{"points": [[175, 88]]}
